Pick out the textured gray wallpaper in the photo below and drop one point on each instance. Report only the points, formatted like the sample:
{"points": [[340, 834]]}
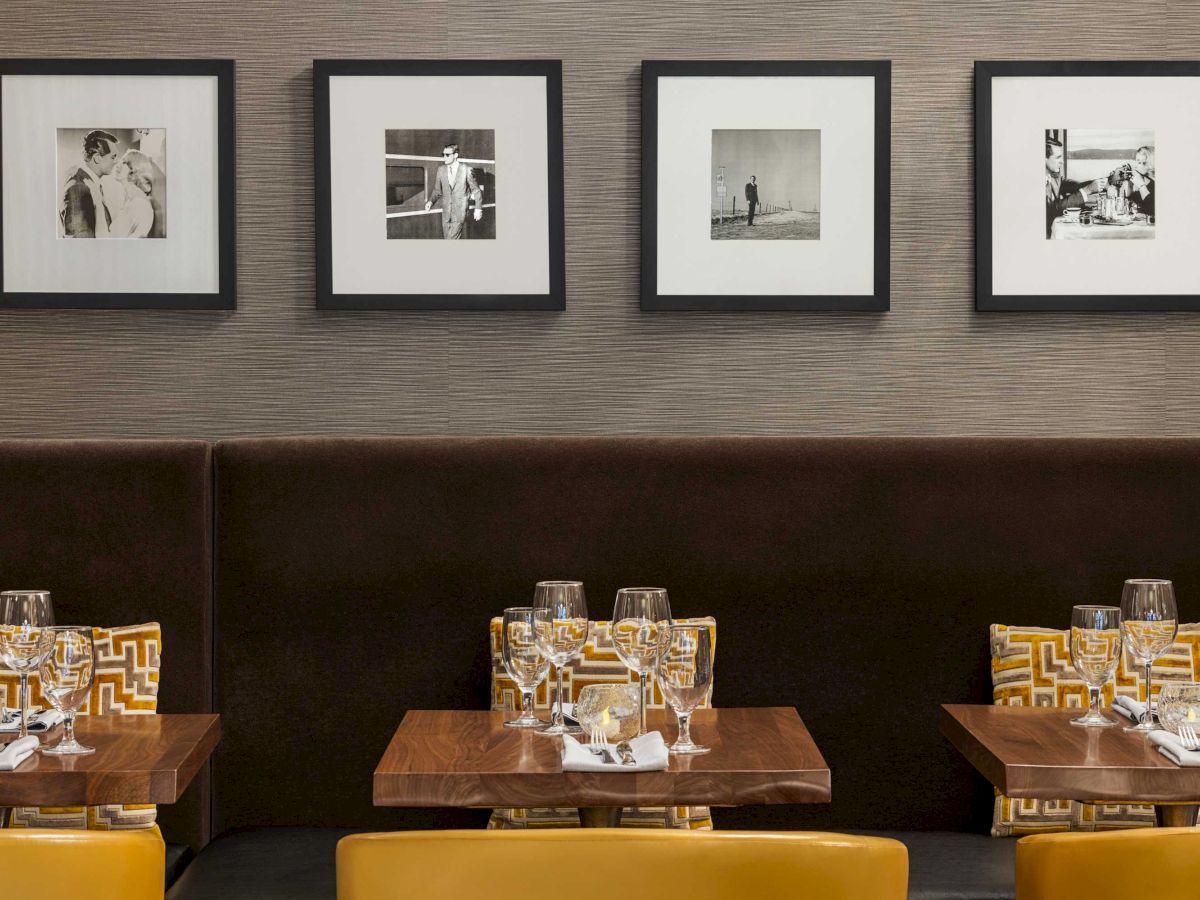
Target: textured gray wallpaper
{"points": [[277, 366]]}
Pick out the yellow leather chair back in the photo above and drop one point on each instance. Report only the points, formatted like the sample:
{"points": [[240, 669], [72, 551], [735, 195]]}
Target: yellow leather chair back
{"points": [[67, 862], [633, 864], [1163, 863]]}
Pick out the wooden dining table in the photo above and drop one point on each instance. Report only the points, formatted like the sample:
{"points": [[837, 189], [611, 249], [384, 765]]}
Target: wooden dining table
{"points": [[1035, 752], [138, 759], [1074, 230], [467, 758]]}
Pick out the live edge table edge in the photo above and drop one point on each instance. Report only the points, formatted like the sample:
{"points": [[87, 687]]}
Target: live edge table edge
{"points": [[519, 769]]}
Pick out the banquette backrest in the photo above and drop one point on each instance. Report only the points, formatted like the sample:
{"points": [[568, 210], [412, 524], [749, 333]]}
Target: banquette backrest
{"points": [[853, 578], [120, 532]]}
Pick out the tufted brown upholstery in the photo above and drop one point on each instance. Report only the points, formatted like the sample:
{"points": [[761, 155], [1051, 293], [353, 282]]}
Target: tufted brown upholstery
{"points": [[120, 532], [853, 578]]}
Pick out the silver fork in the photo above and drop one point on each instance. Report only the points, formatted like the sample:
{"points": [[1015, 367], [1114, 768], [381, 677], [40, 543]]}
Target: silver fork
{"points": [[1187, 737], [599, 746]]}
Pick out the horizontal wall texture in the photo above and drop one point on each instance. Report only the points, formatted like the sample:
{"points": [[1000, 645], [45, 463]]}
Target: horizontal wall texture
{"points": [[930, 366]]}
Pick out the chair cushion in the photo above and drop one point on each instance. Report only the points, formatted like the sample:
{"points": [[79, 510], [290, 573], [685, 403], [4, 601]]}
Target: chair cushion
{"points": [[1032, 667], [57, 862], [298, 864], [948, 865], [126, 683], [597, 663], [264, 864]]}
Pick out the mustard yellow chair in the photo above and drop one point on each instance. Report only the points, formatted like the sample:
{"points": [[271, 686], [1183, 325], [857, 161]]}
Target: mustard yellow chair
{"points": [[98, 865], [1163, 863], [633, 864]]}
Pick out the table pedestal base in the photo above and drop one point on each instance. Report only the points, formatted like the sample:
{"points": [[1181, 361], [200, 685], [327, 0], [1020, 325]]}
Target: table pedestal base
{"points": [[1176, 815], [600, 816], [4, 814]]}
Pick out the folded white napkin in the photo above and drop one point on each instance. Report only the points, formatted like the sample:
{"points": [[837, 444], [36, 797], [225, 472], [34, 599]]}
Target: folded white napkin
{"points": [[43, 721], [649, 751], [1128, 707], [17, 752], [568, 712], [1170, 746]]}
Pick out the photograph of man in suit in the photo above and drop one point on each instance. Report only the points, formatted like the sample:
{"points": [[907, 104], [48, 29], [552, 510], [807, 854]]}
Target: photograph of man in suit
{"points": [[82, 211], [455, 184], [751, 198], [1062, 194]]}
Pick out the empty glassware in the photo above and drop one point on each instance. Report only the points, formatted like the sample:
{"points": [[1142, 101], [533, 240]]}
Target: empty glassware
{"points": [[641, 629], [685, 675], [1095, 652], [523, 661], [25, 617], [1149, 622], [67, 673], [561, 622]]}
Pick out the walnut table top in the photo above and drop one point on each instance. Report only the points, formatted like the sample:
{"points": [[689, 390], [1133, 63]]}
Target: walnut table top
{"points": [[461, 758], [138, 759], [1036, 753]]}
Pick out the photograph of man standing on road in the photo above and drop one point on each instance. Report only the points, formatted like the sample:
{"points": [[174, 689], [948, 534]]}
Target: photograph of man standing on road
{"points": [[781, 171]]}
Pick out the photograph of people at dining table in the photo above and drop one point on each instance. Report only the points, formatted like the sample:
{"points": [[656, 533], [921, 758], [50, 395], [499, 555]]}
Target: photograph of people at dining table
{"points": [[1100, 183]]}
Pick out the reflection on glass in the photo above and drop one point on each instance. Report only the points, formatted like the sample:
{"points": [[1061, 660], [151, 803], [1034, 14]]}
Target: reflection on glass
{"points": [[641, 629], [67, 673], [685, 676], [1149, 622], [24, 641], [1095, 652], [561, 626], [523, 661]]}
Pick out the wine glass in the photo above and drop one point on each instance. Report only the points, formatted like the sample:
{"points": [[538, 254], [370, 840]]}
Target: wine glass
{"points": [[24, 641], [523, 661], [1095, 652], [1149, 623], [685, 676], [561, 622], [67, 673], [641, 629]]}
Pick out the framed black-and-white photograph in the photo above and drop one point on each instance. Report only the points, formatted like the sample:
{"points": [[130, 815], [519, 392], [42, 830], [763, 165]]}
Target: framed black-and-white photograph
{"points": [[117, 184], [1082, 227], [439, 184], [766, 185]]}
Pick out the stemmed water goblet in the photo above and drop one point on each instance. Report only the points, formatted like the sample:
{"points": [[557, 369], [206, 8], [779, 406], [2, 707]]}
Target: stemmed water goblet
{"points": [[67, 673], [641, 630], [561, 624], [1095, 652], [523, 661], [1149, 622], [685, 675], [25, 617]]}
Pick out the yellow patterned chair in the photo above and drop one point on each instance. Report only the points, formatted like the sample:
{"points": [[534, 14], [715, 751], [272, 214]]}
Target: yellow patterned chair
{"points": [[1032, 667], [127, 664], [55, 862], [596, 664], [1163, 864], [600, 864]]}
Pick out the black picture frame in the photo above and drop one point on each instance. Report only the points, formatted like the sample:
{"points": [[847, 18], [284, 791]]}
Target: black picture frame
{"points": [[554, 298], [986, 300], [880, 298], [225, 297]]}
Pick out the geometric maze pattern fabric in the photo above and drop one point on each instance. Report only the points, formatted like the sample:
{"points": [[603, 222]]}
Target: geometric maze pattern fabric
{"points": [[1032, 667], [126, 683], [597, 663]]}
